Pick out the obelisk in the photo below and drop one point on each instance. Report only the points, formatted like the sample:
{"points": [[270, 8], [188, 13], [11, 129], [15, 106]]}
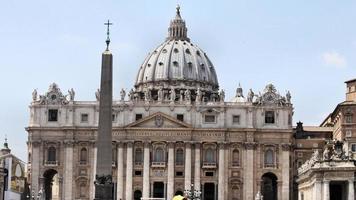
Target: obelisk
{"points": [[103, 182]]}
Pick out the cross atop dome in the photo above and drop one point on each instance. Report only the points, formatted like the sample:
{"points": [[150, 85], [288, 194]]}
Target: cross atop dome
{"points": [[177, 29]]}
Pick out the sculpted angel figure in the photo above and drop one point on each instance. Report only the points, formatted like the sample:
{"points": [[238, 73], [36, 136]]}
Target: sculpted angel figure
{"points": [[172, 95], [288, 96], [131, 95], [160, 94], [222, 95], [199, 95]]}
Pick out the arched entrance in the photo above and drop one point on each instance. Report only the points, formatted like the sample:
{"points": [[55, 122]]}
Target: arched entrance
{"points": [[269, 186], [137, 195], [51, 185]]}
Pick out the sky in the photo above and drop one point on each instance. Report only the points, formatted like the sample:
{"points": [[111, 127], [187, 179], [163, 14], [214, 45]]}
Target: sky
{"points": [[306, 47]]}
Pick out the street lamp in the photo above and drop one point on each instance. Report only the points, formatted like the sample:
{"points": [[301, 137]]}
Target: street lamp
{"points": [[192, 194]]}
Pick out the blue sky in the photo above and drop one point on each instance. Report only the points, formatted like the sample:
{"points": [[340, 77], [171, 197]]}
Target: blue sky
{"points": [[307, 47]]}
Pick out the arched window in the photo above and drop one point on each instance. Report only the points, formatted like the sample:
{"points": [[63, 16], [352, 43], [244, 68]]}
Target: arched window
{"points": [[159, 155], [179, 156], [51, 157], [138, 156], [83, 156], [269, 158], [235, 157], [209, 156]]}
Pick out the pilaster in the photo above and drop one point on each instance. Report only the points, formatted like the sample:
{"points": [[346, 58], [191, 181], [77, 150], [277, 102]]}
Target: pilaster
{"points": [[146, 170], [188, 166], [249, 170], [120, 170], [129, 166], [170, 174]]}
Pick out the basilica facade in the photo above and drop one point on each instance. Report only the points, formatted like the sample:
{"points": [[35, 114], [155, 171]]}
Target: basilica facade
{"points": [[173, 132]]}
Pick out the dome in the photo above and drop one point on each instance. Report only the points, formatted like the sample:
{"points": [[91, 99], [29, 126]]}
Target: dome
{"points": [[177, 63]]}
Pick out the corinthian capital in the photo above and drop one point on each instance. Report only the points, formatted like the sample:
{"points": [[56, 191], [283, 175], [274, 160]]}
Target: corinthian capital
{"points": [[250, 145], [286, 147]]}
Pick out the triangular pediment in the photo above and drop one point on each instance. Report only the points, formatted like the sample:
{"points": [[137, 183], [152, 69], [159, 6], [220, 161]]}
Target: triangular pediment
{"points": [[158, 120]]}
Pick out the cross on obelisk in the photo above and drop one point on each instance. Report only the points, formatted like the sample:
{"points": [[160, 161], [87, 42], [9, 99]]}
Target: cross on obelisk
{"points": [[103, 177]]}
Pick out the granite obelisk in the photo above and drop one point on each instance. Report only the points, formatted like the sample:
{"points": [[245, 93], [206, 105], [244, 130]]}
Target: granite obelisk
{"points": [[103, 182]]}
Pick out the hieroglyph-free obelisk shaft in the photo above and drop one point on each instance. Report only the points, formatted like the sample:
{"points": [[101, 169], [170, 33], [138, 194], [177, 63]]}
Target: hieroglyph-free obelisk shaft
{"points": [[103, 182]]}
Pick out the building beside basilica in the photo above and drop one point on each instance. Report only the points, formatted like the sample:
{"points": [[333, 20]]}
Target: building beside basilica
{"points": [[174, 131]]}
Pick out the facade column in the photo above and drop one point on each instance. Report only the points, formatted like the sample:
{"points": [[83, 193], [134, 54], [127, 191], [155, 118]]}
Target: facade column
{"points": [[188, 167], [326, 190], [221, 180], [35, 166], [146, 171], [317, 189], [170, 174], [197, 167], [351, 195], [248, 186], [129, 166], [285, 171], [68, 170], [120, 171], [93, 159]]}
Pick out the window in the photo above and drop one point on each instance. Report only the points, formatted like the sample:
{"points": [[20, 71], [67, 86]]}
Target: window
{"points": [[84, 118], [269, 158], [51, 157], [236, 119], [348, 118], [138, 117], [83, 156], [138, 173], [179, 173], [180, 117], [299, 163], [159, 155], [209, 118], [353, 147], [209, 156], [179, 157], [138, 156], [269, 117], [209, 173], [113, 117], [52, 115], [236, 158]]}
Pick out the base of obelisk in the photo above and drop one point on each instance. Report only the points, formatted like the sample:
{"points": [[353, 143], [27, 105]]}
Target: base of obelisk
{"points": [[103, 192]]}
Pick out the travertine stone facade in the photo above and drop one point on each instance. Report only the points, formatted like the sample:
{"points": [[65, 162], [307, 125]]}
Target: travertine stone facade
{"points": [[175, 129]]}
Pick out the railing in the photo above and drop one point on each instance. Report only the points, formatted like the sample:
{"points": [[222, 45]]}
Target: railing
{"points": [[158, 164], [83, 162], [51, 163], [179, 163], [209, 164], [138, 163], [235, 164], [269, 165]]}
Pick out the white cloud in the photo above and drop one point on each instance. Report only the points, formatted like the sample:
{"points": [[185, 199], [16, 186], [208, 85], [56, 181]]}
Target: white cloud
{"points": [[333, 58]]}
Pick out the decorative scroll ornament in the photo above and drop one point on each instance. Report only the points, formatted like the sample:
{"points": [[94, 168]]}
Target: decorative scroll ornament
{"points": [[103, 180], [53, 96], [270, 96]]}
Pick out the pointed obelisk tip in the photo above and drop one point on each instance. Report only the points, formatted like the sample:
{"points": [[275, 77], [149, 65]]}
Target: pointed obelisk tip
{"points": [[108, 24]]}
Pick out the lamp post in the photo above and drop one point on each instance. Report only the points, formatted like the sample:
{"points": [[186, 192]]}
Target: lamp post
{"points": [[192, 194]]}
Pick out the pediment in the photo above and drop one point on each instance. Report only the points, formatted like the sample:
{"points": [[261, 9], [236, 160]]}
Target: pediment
{"points": [[158, 120]]}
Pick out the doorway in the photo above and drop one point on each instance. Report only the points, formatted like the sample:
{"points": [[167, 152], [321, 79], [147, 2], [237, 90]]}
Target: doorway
{"points": [[338, 190], [158, 190], [209, 191], [51, 185], [269, 186], [137, 195]]}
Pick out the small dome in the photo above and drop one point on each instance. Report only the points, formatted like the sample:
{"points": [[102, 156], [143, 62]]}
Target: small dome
{"points": [[177, 63]]}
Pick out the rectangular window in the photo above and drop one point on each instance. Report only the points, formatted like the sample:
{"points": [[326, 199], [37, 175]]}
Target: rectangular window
{"points": [[138, 173], [209, 118], [180, 117], [138, 117], [209, 173], [84, 118], [269, 117], [52, 115], [236, 119], [353, 147], [113, 117], [179, 173]]}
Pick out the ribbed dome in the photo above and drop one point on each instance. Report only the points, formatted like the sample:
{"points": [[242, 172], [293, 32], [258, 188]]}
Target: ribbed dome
{"points": [[177, 63]]}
